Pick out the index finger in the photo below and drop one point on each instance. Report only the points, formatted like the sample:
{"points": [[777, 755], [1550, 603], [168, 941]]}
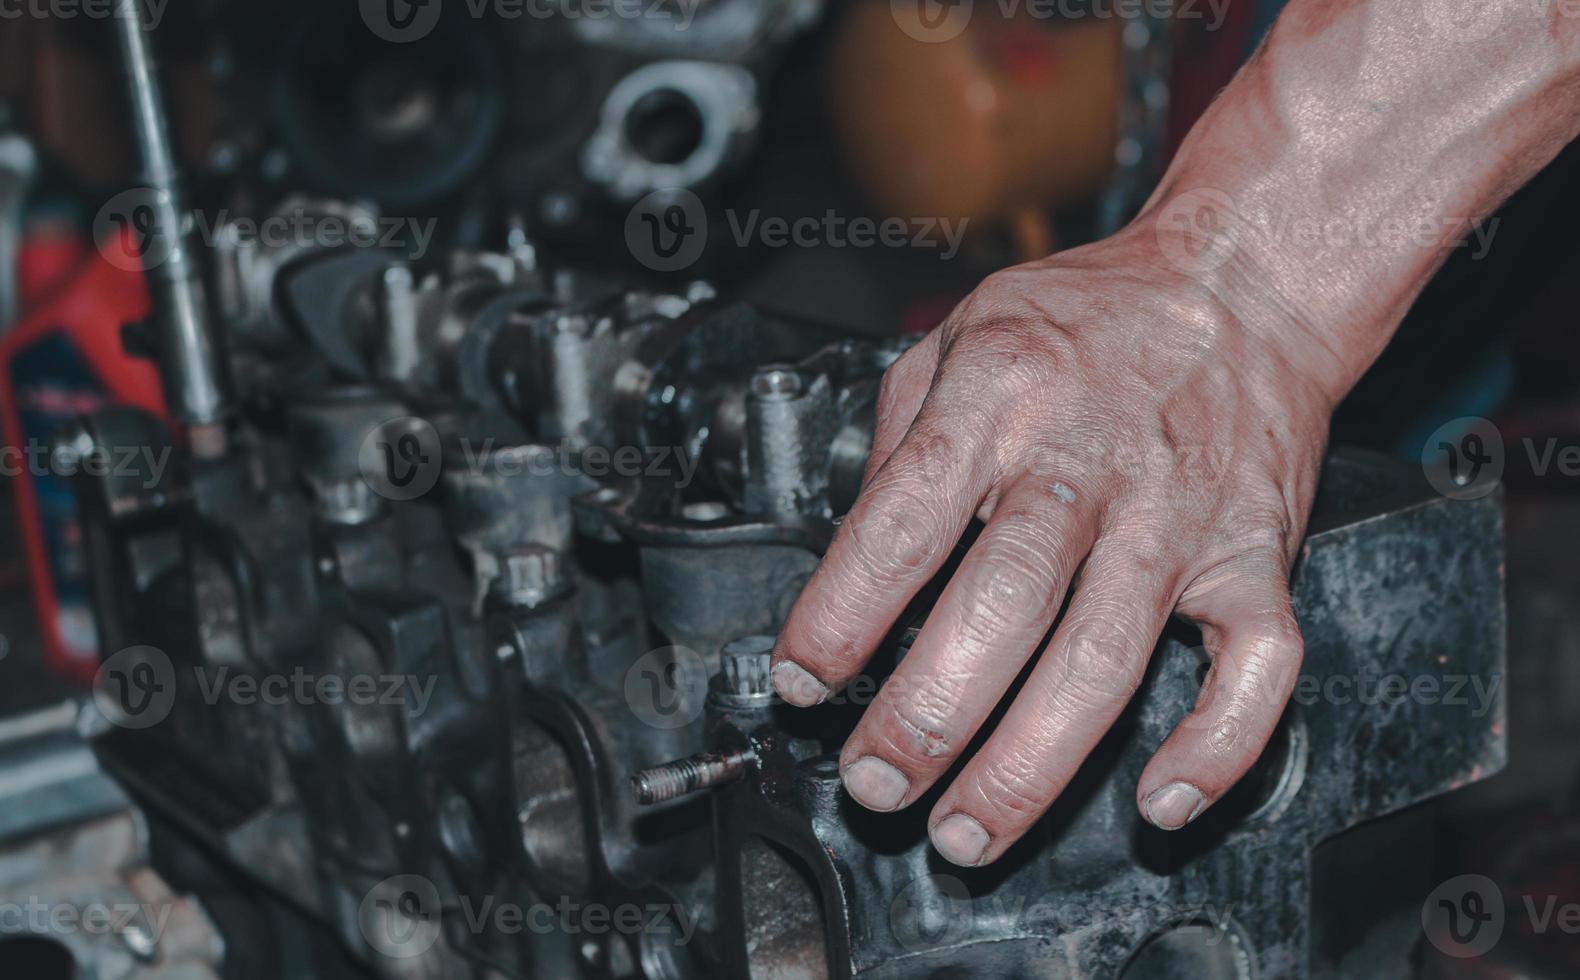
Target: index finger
{"points": [[896, 537]]}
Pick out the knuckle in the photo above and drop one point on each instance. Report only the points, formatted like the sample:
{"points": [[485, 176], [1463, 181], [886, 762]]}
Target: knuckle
{"points": [[1230, 732], [1014, 588], [1013, 357], [925, 721], [999, 320], [1013, 583], [1106, 661], [1008, 291], [898, 535], [996, 294], [1032, 528], [930, 458], [1243, 716], [1014, 790]]}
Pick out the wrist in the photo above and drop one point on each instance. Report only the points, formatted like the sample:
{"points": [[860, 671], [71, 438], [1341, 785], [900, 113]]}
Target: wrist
{"points": [[1200, 235]]}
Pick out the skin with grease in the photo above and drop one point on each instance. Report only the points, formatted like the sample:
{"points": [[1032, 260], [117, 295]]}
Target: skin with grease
{"points": [[1139, 422]]}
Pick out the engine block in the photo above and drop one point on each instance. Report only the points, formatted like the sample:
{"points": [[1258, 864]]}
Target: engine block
{"points": [[459, 654]]}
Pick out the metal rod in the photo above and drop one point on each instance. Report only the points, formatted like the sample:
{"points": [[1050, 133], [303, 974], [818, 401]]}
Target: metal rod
{"points": [[189, 360], [18, 168], [683, 777]]}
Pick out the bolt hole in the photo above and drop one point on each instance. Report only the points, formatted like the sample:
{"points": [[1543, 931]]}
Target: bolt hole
{"points": [[664, 126]]}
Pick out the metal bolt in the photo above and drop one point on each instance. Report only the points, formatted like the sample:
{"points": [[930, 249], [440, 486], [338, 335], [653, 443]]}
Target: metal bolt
{"points": [[776, 383], [402, 353], [745, 663], [575, 325], [348, 502], [529, 575], [683, 777]]}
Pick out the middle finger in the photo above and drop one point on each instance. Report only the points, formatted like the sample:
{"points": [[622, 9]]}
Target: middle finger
{"points": [[990, 619]]}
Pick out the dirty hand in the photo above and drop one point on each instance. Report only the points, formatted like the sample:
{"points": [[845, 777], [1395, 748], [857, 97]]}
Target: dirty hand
{"points": [[1127, 440], [1142, 433]]}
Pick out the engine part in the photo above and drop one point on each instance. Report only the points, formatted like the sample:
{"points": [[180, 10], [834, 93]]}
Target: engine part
{"points": [[191, 365], [77, 896], [1228, 897], [563, 112], [671, 124], [719, 30], [485, 628]]}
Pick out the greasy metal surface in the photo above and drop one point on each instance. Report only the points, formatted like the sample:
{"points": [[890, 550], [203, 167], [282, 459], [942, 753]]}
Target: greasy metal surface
{"points": [[74, 862], [1386, 589], [548, 683]]}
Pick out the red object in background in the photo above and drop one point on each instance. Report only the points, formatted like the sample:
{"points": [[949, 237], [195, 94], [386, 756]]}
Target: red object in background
{"points": [[63, 358], [919, 319], [50, 255]]}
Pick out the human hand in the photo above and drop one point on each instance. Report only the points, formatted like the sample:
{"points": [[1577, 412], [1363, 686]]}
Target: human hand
{"points": [[1129, 437]]}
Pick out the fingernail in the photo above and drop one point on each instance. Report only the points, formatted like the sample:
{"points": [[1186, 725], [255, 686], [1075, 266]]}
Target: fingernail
{"points": [[875, 784], [1175, 805], [797, 686], [961, 840]]}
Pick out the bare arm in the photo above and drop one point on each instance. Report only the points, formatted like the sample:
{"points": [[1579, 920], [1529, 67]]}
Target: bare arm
{"points": [[1361, 143], [1142, 420]]}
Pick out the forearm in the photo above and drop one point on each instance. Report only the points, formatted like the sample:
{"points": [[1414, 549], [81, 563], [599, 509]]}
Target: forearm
{"points": [[1364, 141]]}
